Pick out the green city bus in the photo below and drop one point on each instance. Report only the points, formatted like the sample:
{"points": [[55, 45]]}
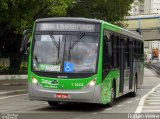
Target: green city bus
{"points": [[83, 60]]}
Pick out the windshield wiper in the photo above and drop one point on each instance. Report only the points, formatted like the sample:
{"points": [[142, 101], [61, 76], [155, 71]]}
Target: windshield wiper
{"points": [[55, 43], [53, 40], [75, 43]]}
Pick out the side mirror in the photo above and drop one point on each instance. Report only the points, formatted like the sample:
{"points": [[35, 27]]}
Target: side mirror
{"points": [[24, 45]]}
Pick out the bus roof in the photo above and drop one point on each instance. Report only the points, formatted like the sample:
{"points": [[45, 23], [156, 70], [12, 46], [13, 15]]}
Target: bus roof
{"points": [[122, 30], [109, 26], [78, 19]]}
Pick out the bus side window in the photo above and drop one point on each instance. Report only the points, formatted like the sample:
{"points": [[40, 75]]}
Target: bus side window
{"points": [[111, 44], [135, 50], [126, 53], [107, 53], [104, 52], [116, 51], [142, 51]]}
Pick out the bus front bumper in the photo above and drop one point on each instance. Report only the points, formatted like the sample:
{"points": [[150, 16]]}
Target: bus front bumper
{"points": [[85, 95]]}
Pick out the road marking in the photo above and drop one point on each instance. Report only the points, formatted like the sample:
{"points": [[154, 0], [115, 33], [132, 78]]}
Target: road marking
{"points": [[148, 98], [141, 103], [76, 118], [154, 103], [105, 111], [94, 113], [152, 100], [137, 99], [155, 95], [156, 92], [151, 111], [120, 105], [108, 109], [151, 107], [129, 102], [11, 96], [142, 89]]}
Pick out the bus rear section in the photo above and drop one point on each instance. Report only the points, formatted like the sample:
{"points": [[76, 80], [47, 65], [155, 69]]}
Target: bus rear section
{"points": [[63, 61]]}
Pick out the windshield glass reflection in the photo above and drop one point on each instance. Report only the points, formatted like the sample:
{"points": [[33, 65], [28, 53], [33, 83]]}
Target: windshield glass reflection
{"points": [[65, 53]]}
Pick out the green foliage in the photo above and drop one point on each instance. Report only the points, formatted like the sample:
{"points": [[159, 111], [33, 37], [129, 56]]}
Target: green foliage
{"points": [[59, 8], [18, 15], [108, 10]]}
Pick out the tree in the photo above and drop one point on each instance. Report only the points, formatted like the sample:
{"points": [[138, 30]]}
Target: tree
{"points": [[18, 15], [109, 10]]}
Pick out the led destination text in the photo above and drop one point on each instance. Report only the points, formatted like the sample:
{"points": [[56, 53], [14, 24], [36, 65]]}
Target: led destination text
{"points": [[65, 27]]}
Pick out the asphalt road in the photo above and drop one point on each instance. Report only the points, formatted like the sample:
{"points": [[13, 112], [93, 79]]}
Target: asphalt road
{"points": [[144, 101]]}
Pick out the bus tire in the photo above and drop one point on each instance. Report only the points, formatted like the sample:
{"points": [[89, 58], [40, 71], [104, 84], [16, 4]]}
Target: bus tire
{"points": [[52, 103], [113, 93], [134, 93]]}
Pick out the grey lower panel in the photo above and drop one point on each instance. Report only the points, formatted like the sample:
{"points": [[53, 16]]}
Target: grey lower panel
{"points": [[88, 95]]}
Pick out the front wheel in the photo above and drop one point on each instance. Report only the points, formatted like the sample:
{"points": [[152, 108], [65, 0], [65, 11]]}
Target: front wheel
{"points": [[112, 96], [51, 103]]}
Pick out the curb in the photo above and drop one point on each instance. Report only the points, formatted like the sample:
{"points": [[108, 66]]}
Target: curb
{"points": [[17, 82], [13, 77], [11, 84], [16, 92]]}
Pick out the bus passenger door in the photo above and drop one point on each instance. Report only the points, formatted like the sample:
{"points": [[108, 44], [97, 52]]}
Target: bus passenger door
{"points": [[131, 64], [124, 66], [121, 66]]}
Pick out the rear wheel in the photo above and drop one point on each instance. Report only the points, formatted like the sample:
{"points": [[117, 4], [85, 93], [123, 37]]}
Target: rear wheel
{"points": [[52, 103], [112, 96]]}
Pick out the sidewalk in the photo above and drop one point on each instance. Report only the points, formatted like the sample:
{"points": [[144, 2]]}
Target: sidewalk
{"points": [[13, 84]]}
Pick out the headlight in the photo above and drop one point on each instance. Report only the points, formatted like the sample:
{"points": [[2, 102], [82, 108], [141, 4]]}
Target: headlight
{"points": [[91, 83], [34, 80]]}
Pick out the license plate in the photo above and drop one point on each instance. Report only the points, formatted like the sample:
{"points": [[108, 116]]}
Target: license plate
{"points": [[62, 96]]}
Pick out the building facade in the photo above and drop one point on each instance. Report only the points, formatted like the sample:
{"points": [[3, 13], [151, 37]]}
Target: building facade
{"points": [[149, 26], [135, 8], [145, 7]]}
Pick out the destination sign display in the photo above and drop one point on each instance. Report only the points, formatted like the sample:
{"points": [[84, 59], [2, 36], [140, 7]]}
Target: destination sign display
{"points": [[66, 27]]}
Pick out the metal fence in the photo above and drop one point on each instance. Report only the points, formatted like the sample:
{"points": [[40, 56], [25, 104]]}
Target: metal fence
{"points": [[155, 67]]}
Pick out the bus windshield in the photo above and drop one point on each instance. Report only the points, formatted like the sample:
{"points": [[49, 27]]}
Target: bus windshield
{"points": [[61, 53]]}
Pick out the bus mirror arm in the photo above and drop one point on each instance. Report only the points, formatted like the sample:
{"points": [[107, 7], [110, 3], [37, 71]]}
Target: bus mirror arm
{"points": [[24, 45], [25, 41]]}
